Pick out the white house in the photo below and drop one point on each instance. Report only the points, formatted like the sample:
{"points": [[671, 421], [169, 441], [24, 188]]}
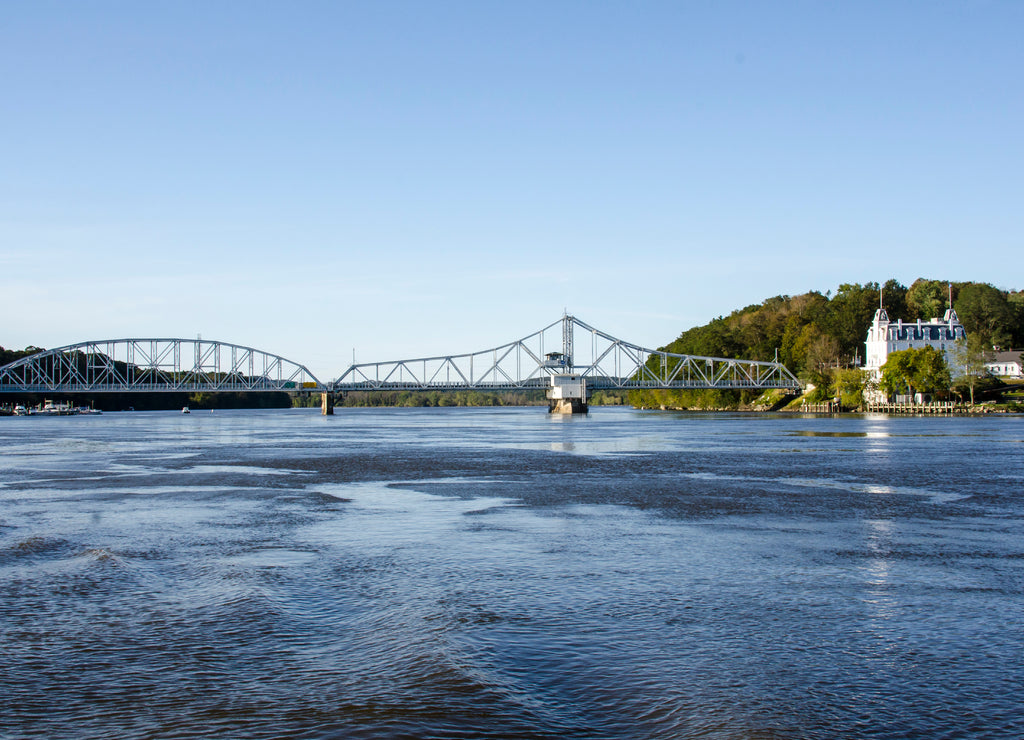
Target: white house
{"points": [[886, 337], [1006, 364]]}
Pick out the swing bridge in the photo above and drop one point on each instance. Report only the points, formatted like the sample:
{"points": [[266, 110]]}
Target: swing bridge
{"points": [[567, 352]]}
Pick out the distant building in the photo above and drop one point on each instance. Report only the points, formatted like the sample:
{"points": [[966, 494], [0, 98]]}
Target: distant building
{"points": [[1006, 364], [886, 337]]}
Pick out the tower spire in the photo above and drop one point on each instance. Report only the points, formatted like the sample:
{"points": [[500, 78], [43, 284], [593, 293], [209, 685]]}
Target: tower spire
{"points": [[880, 314], [951, 317]]}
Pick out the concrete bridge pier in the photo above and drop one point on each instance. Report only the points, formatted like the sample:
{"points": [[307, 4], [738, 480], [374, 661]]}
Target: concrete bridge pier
{"points": [[567, 406], [567, 395], [327, 403]]}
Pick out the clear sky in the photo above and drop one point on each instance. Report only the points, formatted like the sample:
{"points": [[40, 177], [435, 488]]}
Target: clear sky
{"points": [[408, 179]]}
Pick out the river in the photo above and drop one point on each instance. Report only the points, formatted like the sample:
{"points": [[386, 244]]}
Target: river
{"points": [[503, 573]]}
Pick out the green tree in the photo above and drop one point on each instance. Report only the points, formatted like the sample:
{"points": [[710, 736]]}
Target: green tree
{"points": [[851, 310], [849, 386], [822, 359], [927, 299], [986, 312], [1016, 301], [796, 342], [920, 370], [969, 363], [803, 317], [894, 296], [714, 339], [8, 356]]}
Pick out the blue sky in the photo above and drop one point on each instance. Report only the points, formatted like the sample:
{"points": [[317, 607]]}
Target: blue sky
{"points": [[408, 179]]}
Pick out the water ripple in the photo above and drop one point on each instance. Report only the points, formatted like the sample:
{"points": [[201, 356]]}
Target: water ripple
{"points": [[499, 574]]}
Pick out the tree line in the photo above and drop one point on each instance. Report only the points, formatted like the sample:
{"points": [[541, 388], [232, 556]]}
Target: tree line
{"points": [[812, 329], [820, 337]]}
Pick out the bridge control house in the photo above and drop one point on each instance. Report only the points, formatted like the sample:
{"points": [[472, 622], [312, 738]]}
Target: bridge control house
{"points": [[567, 393]]}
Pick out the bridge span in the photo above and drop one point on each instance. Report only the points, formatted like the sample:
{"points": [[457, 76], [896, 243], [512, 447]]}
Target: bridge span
{"points": [[563, 358], [154, 366], [569, 359]]}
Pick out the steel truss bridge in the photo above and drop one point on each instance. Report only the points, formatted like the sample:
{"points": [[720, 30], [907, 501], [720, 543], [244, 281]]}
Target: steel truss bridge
{"points": [[154, 365], [565, 347]]}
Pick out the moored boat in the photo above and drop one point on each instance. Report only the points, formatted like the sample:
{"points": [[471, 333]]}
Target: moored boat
{"points": [[61, 408]]}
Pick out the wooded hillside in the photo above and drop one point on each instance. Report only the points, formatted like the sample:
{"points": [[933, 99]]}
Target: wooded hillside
{"points": [[812, 330]]}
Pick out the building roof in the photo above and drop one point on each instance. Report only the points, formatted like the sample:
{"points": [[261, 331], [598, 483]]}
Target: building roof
{"points": [[1006, 356]]}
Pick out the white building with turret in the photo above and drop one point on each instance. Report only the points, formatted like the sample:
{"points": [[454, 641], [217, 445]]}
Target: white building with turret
{"points": [[886, 337]]}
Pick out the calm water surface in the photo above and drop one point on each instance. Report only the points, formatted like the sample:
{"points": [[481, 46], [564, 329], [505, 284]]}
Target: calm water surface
{"points": [[462, 573]]}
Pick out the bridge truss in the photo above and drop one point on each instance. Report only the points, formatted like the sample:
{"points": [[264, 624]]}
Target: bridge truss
{"points": [[567, 346], [154, 365]]}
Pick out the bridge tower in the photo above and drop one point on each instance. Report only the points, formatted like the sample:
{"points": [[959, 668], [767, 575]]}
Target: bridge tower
{"points": [[567, 337], [568, 391]]}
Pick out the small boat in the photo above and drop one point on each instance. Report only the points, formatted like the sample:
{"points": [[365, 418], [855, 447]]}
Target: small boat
{"points": [[20, 410], [184, 410], [57, 409]]}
